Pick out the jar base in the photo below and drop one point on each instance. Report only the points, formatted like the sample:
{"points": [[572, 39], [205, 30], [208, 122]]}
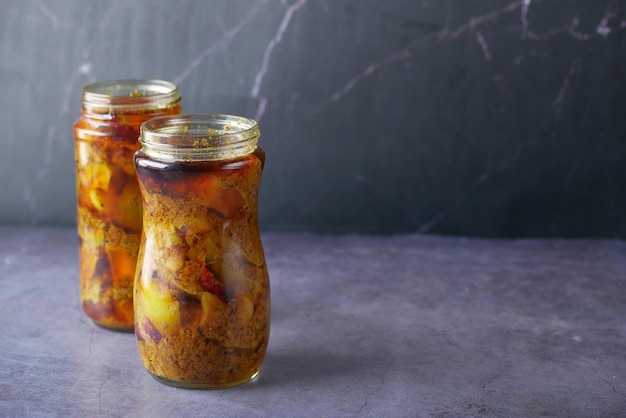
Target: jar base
{"points": [[203, 386]]}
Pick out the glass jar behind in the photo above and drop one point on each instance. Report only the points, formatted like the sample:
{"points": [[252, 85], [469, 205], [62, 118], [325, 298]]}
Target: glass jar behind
{"points": [[108, 197], [202, 298]]}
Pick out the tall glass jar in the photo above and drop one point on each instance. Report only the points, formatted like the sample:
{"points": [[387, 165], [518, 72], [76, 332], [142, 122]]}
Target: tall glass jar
{"points": [[109, 200], [202, 297]]}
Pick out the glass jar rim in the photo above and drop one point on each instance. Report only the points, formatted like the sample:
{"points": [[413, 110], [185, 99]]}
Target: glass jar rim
{"points": [[130, 92], [198, 137]]}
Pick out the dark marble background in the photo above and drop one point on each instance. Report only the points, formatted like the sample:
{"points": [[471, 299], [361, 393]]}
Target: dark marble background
{"points": [[469, 117]]}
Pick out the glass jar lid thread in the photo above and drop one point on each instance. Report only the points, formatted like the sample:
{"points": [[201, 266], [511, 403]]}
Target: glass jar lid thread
{"points": [[198, 137], [106, 98]]}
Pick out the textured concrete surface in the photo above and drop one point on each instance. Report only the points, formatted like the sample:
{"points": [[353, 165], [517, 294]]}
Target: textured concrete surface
{"points": [[362, 326]]}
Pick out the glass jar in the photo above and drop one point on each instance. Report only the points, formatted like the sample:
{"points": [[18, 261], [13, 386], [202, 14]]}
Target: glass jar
{"points": [[202, 297], [109, 201]]}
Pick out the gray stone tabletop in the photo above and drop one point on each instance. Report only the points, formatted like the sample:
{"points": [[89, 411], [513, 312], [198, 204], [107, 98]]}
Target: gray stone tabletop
{"points": [[402, 326]]}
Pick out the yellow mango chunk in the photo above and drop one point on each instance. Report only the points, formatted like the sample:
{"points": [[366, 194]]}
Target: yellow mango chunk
{"points": [[160, 307], [128, 212], [96, 175], [97, 199]]}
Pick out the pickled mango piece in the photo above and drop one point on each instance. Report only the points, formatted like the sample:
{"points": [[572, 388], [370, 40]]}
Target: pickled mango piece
{"points": [[96, 176], [160, 307], [211, 305], [97, 199], [245, 309], [128, 210], [194, 224], [221, 197], [105, 202], [119, 180], [122, 267]]}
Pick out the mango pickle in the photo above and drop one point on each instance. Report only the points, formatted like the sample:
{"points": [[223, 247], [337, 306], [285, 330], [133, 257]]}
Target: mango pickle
{"points": [[202, 297], [109, 213]]}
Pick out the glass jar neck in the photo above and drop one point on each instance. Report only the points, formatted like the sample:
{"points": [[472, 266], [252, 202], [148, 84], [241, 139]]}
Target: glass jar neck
{"points": [[198, 137], [104, 100]]}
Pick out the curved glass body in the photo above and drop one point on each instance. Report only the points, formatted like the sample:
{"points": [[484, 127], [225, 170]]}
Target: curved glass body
{"points": [[108, 197], [202, 297]]}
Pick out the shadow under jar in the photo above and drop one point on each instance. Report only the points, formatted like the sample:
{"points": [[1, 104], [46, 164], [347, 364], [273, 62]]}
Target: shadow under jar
{"points": [[202, 296], [108, 196]]}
